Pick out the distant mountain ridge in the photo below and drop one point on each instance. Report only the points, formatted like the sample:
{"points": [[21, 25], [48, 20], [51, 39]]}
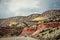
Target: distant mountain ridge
{"points": [[48, 13]]}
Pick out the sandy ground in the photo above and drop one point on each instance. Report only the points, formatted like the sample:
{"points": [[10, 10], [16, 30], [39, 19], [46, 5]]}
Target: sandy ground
{"points": [[18, 38]]}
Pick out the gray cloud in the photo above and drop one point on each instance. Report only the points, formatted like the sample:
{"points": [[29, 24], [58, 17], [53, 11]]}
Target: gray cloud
{"points": [[9, 8]]}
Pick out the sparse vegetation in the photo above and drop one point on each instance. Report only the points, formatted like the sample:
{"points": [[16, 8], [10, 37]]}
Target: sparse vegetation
{"points": [[50, 29], [49, 34]]}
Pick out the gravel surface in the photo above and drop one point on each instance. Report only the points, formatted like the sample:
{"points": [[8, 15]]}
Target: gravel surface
{"points": [[18, 38]]}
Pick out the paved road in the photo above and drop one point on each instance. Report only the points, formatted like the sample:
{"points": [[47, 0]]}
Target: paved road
{"points": [[18, 38]]}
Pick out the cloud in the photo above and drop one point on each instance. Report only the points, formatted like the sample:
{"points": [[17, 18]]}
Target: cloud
{"points": [[16, 5], [22, 7], [10, 8]]}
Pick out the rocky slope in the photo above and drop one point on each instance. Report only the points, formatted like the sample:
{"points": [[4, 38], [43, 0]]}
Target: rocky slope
{"points": [[50, 13], [25, 19], [49, 34]]}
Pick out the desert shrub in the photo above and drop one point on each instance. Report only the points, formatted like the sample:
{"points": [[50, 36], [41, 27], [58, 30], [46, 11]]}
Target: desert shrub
{"points": [[50, 31], [43, 30], [1, 34], [58, 37], [57, 28], [17, 33], [37, 35]]}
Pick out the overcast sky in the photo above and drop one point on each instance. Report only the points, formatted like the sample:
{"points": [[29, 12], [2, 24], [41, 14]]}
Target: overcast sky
{"points": [[10, 8]]}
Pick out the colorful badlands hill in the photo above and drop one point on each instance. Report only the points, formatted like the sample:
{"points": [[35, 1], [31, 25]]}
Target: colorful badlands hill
{"points": [[23, 29], [40, 27], [48, 34]]}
